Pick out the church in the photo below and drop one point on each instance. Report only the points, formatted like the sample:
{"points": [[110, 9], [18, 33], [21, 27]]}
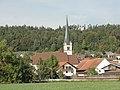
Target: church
{"points": [[67, 61]]}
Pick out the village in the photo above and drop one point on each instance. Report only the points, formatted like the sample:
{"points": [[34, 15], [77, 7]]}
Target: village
{"points": [[81, 65], [59, 45]]}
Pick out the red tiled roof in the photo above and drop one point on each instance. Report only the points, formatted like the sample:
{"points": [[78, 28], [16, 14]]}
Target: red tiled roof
{"points": [[73, 59], [89, 63], [61, 57], [62, 63]]}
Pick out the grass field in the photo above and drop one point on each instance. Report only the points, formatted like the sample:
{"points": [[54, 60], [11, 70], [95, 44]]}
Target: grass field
{"points": [[97, 85]]}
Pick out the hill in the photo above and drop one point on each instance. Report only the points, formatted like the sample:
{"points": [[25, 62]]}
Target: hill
{"points": [[93, 38]]}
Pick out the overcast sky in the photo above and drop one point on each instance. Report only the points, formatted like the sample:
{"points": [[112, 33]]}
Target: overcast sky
{"points": [[51, 13]]}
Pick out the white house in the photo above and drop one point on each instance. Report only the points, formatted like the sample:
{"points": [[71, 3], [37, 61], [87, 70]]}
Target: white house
{"points": [[100, 66], [97, 63], [113, 55], [67, 69]]}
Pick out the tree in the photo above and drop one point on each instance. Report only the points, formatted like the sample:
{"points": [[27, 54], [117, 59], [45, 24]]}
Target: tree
{"points": [[95, 38], [91, 71], [47, 68], [53, 47], [42, 70], [118, 50], [13, 69], [26, 69], [52, 66]]}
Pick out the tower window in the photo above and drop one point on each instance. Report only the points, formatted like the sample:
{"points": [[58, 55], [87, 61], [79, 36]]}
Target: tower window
{"points": [[68, 48]]}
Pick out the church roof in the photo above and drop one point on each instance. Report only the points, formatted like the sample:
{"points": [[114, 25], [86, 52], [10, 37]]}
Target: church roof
{"points": [[61, 57], [73, 59], [67, 38]]}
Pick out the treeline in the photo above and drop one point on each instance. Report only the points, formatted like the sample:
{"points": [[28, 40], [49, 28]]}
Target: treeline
{"points": [[98, 38]]}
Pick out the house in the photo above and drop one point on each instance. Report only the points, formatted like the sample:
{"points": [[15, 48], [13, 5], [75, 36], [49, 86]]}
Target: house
{"points": [[112, 69], [113, 61], [113, 58], [89, 54], [67, 68], [61, 57], [112, 55], [97, 63], [80, 56]]}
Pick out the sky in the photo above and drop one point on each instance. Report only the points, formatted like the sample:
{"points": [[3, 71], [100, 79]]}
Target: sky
{"points": [[52, 13]]}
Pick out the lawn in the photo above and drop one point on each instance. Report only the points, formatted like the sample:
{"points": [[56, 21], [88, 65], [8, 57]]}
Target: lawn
{"points": [[88, 85]]}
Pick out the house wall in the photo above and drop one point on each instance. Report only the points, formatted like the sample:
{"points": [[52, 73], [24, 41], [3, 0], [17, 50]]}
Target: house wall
{"points": [[69, 72], [101, 65], [118, 57], [75, 65], [111, 56], [80, 75], [114, 56]]}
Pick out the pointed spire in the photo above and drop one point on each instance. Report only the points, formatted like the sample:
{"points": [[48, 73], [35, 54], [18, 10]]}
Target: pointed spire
{"points": [[66, 40]]}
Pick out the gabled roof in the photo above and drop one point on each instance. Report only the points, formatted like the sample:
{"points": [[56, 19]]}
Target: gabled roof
{"points": [[115, 65], [89, 63], [112, 61], [61, 57], [63, 63]]}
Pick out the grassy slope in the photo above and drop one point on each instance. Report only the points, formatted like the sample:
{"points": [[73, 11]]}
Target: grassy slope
{"points": [[99, 85]]}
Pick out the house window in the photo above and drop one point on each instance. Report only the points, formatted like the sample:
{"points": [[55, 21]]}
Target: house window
{"points": [[99, 70], [71, 71], [68, 48], [66, 67], [66, 71], [63, 67]]}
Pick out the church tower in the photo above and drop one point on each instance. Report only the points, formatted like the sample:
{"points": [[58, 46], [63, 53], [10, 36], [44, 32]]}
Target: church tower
{"points": [[67, 42]]}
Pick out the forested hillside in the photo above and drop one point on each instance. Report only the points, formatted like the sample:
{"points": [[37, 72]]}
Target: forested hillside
{"points": [[94, 38]]}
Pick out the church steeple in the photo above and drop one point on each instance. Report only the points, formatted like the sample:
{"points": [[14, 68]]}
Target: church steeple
{"points": [[67, 39], [67, 42]]}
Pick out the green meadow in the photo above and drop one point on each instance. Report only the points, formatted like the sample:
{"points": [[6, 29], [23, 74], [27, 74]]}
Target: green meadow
{"points": [[85, 85]]}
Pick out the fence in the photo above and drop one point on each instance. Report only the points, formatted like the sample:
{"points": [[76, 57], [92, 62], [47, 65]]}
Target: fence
{"points": [[98, 77]]}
